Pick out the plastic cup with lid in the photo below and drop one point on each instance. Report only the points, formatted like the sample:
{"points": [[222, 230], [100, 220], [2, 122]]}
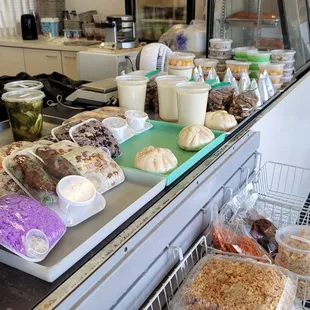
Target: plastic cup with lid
{"points": [[36, 244], [132, 91], [117, 126], [192, 98], [23, 85], [136, 119], [186, 71], [75, 192], [167, 96], [24, 109]]}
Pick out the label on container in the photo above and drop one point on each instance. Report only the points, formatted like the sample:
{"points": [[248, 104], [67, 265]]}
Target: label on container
{"points": [[300, 239]]}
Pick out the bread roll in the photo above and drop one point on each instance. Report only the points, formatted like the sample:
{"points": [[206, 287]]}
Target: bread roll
{"points": [[220, 120], [195, 137], [156, 159]]}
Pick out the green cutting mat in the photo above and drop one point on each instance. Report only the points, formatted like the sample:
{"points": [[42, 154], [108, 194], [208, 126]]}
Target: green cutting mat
{"points": [[166, 135]]}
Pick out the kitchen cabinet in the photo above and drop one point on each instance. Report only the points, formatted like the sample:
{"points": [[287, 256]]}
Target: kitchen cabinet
{"points": [[12, 61], [69, 64], [42, 61]]}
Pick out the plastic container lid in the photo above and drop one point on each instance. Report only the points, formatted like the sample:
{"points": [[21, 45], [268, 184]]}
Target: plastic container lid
{"points": [[114, 122], [238, 63], [23, 85], [36, 243], [283, 61], [170, 79], [23, 96], [131, 80], [206, 61], [281, 52], [193, 87], [220, 49], [298, 232], [178, 55], [258, 53], [135, 114], [220, 40], [244, 49]]}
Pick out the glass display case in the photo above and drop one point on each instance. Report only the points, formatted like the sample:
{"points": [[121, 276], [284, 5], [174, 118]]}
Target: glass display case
{"points": [[267, 25], [154, 17]]}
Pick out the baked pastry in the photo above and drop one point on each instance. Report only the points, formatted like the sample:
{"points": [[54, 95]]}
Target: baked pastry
{"points": [[156, 159], [13, 147], [220, 120], [195, 137]]}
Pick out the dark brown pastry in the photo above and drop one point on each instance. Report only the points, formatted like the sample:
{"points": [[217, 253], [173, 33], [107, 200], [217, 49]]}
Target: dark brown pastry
{"points": [[220, 99]]}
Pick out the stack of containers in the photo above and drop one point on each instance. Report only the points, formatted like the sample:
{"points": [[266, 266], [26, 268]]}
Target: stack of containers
{"points": [[220, 49], [181, 64], [285, 57], [206, 64], [238, 67], [294, 255], [257, 58], [275, 72]]}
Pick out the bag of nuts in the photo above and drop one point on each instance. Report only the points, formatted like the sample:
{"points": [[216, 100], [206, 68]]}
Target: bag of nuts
{"points": [[220, 97]]}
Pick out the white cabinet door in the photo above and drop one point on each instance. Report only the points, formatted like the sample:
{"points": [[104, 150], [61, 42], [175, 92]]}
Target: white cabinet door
{"points": [[11, 61], [42, 61], [69, 65]]}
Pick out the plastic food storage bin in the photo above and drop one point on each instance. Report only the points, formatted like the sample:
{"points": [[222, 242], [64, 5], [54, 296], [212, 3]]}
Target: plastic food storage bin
{"points": [[206, 63], [220, 43], [219, 53], [241, 52], [256, 56], [294, 248], [181, 59], [238, 66], [272, 68], [50, 26], [288, 64], [283, 55]]}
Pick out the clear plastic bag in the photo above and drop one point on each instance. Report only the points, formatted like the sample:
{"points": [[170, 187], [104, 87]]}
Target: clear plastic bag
{"points": [[8, 185], [220, 97], [27, 228], [61, 133], [97, 166], [234, 283], [29, 173], [93, 133]]}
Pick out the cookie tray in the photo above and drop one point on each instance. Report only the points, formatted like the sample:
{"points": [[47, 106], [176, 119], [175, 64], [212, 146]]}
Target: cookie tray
{"points": [[166, 135], [122, 202]]}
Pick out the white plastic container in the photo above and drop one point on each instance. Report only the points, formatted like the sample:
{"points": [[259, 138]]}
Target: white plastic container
{"points": [[223, 53], [118, 126], [181, 59], [181, 71], [75, 192], [167, 96], [23, 85], [136, 119], [283, 55], [192, 98], [50, 26], [131, 91], [220, 43]]}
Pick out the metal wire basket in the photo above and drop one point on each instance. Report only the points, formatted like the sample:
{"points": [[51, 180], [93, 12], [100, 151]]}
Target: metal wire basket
{"points": [[283, 194]]}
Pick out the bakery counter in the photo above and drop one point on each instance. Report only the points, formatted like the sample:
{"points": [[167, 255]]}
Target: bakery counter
{"points": [[137, 255]]}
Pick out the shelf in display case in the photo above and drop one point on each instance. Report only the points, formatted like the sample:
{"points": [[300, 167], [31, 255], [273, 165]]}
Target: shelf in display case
{"points": [[242, 22], [173, 21]]}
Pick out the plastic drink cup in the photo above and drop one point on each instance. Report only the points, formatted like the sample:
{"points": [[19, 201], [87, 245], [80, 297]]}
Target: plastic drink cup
{"points": [[132, 91], [167, 96], [192, 98], [25, 113]]}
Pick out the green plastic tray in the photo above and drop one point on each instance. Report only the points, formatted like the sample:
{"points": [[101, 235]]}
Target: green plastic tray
{"points": [[166, 135]]}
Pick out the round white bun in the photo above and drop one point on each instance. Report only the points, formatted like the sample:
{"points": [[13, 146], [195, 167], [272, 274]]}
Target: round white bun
{"points": [[220, 120], [195, 137], [156, 159]]}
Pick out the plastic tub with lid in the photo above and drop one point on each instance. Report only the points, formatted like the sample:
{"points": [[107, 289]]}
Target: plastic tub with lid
{"points": [[50, 26], [288, 72], [219, 53], [283, 55], [238, 66], [241, 52], [206, 63], [286, 79], [181, 59], [255, 66], [294, 248], [23, 85], [272, 68], [257, 56], [24, 109], [276, 79], [220, 43], [186, 71], [132, 91], [288, 64]]}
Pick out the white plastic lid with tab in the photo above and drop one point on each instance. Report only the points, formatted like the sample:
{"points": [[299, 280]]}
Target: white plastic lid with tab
{"points": [[23, 85]]}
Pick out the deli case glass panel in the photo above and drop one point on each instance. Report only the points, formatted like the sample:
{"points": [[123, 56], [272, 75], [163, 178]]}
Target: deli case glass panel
{"points": [[267, 25], [154, 17]]}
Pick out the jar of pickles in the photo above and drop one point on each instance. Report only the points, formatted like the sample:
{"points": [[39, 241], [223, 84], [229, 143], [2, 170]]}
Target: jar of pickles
{"points": [[24, 109]]}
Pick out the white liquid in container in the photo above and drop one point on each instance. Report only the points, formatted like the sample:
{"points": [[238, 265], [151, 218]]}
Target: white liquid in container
{"points": [[77, 190], [167, 95], [187, 71], [192, 98], [132, 91]]}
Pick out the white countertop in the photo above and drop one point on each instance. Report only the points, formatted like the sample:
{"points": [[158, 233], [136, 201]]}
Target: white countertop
{"points": [[43, 43]]}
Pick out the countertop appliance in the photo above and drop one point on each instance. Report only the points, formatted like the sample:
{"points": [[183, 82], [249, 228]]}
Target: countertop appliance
{"points": [[120, 32], [29, 27], [102, 64]]}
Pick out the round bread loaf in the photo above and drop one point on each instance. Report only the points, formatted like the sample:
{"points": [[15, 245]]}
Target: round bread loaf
{"points": [[156, 159], [220, 120], [195, 137]]}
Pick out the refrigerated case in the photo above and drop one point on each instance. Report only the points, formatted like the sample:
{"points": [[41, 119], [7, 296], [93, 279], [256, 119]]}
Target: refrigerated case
{"points": [[154, 17], [268, 25]]}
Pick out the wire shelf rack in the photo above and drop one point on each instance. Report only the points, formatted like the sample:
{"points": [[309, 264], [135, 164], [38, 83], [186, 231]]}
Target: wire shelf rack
{"points": [[283, 192]]}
